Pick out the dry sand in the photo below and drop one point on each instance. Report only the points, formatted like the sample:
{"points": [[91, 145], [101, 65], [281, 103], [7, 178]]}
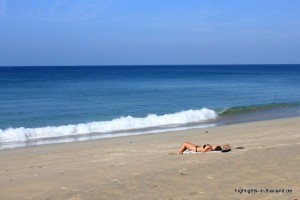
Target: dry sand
{"points": [[146, 166]]}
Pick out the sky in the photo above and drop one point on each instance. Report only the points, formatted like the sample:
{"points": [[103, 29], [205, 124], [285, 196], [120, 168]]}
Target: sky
{"points": [[149, 32]]}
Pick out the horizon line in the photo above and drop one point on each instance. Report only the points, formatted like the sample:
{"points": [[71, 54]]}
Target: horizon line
{"points": [[134, 65]]}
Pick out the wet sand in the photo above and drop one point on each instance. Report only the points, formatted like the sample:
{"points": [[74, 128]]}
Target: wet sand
{"points": [[147, 167]]}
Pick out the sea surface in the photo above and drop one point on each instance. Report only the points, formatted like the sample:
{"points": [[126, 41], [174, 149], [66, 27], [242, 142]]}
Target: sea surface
{"points": [[40, 105]]}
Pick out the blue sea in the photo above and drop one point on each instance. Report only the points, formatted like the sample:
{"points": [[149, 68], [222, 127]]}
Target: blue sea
{"points": [[41, 105]]}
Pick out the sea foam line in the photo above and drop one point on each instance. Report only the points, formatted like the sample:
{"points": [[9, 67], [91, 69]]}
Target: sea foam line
{"points": [[120, 124]]}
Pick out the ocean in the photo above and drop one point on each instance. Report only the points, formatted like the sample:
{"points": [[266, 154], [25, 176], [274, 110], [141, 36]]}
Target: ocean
{"points": [[41, 105]]}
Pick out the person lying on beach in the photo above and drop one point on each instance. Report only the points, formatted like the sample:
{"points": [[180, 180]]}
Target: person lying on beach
{"points": [[205, 148]]}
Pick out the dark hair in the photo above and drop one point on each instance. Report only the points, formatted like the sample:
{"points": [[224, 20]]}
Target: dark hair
{"points": [[218, 148]]}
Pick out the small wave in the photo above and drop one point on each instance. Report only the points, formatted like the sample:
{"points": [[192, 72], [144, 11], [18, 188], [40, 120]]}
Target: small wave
{"points": [[116, 125], [256, 108]]}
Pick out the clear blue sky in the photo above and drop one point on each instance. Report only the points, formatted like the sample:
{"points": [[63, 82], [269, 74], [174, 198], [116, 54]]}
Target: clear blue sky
{"points": [[112, 32]]}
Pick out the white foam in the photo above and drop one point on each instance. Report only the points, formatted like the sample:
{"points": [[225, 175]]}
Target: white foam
{"points": [[121, 124]]}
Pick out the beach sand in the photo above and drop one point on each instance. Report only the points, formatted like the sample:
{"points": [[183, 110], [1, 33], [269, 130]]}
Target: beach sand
{"points": [[147, 167]]}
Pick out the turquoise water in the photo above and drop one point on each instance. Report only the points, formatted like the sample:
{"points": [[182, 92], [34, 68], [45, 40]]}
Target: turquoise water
{"points": [[38, 103]]}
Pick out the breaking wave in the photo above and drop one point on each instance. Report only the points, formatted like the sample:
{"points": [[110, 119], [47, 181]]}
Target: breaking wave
{"points": [[127, 124]]}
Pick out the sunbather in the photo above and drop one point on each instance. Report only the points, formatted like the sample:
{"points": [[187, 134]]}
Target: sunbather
{"points": [[205, 148]]}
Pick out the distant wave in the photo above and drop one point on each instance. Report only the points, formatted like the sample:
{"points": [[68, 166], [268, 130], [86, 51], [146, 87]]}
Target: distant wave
{"points": [[121, 124], [256, 108]]}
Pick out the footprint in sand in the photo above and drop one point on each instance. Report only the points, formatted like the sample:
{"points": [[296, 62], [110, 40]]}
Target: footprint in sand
{"points": [[270, 148], [182, 172]]}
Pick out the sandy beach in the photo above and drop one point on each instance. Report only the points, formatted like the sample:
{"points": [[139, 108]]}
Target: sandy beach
{"points": [[147, 167]]}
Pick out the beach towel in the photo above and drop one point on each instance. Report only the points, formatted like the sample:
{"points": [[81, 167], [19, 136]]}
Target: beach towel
{"points": [[188, 152]]}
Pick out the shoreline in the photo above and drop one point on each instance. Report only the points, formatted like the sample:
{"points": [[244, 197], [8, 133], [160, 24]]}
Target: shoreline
{"points": [[175, 133], [268, 115], [146, 166]]}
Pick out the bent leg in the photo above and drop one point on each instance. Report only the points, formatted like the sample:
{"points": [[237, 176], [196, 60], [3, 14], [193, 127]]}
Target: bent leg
{"points": [[187, 145]]}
